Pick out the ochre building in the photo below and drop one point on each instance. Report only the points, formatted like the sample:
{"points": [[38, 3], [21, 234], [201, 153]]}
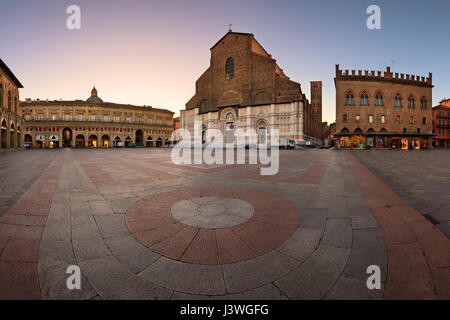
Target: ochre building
{"points": [[441, 124], [244, 88], [383, 110], [94, 123], [10, 117]]}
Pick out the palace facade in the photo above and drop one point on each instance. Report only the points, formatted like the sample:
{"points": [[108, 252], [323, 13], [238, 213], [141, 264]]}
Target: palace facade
{"points": [[94, 123], [375, 110], [244, 88], [10, 117], [441, 124]]}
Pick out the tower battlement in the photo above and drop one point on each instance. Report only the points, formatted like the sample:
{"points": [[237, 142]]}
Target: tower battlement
{"points": [[388, 75]]}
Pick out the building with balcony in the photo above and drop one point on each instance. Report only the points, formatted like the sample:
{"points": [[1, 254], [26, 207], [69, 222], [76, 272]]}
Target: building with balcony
{"points": [[375, 110], [11, 135], [94, 123], [441, 124]]}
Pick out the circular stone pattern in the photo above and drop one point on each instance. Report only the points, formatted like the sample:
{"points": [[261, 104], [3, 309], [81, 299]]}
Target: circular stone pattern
{"points": [[212, 226], [212, 212]]}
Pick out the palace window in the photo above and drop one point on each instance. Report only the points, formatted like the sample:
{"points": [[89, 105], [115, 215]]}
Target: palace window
{"points": [[229, 68], [53, 117], [411, 120], [371, 119], [379, 100], [349, 100], [424, 103], [358, 117], [40, 117], [411, 102], [397, 119], [344, 118], [424, 120], [383, 119], [364, 99], [398, 101], [9, 100]]}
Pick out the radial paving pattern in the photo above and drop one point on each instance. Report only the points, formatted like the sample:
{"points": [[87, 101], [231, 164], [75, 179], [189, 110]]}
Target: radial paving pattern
{"points": [[212, 226], [159, 231]]}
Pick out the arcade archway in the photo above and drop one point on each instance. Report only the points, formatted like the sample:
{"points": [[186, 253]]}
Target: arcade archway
{"points": [[80, 141], [93, 141], [105, 141], [67, 138], [4, 133]]}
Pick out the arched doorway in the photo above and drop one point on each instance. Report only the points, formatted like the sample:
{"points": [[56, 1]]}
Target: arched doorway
{"points": [[159, 142], [105, 141], [40, 141], [139, 137], [4, 134], [53, 141], [149, 142], [67, 137], [229, 128], [128, 141], [118, 142], [80, 141], [262, 132], [93, 141], [12, 137], [28, 141]]}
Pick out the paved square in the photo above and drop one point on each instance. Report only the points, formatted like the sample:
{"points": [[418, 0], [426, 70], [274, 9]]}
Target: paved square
{"points": [[140, 227]]}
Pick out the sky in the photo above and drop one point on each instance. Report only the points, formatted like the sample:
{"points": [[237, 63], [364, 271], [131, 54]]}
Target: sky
{"points": [[151, 52]]}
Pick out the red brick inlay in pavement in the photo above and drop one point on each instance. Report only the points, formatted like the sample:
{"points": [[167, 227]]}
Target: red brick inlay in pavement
{"points": [[21, 228], [418, 252], [273, 222]]}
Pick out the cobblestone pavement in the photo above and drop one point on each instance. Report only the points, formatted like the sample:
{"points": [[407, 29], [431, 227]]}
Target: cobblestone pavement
{"points": [[18, 171], [421, 178], [140, 227]]}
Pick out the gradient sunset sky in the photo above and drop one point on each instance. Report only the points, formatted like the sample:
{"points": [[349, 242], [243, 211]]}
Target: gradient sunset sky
{"points": [[151, 52]]}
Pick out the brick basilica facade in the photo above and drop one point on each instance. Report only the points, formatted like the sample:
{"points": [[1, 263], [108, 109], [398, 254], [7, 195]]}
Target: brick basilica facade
{"points": [[244, 88], [94, 123]]}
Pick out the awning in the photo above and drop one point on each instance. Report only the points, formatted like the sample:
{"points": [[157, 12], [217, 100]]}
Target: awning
{"points": [[53, 138], [40, 137]]}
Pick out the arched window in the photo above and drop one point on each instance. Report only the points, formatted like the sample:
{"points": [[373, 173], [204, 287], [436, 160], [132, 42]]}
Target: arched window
{"points": [[379, 100], [424, 103], [344, 118], [229, 68], [398, 101], [9, 100], [349, 99], [1, 95], [364, 99], [411, 102]]}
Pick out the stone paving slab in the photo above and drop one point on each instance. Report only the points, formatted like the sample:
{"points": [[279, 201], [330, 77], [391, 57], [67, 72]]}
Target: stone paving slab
{"points": [[312, 237]]}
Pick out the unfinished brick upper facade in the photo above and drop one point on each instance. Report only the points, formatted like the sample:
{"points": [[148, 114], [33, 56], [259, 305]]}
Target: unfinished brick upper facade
{"points": [[245, 86]]}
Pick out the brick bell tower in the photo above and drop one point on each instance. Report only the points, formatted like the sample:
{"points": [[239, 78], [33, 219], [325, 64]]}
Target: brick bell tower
{"points": [[316, 98]]}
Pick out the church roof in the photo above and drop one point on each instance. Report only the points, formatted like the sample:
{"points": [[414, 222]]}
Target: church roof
{"points": [[231, 32]]}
